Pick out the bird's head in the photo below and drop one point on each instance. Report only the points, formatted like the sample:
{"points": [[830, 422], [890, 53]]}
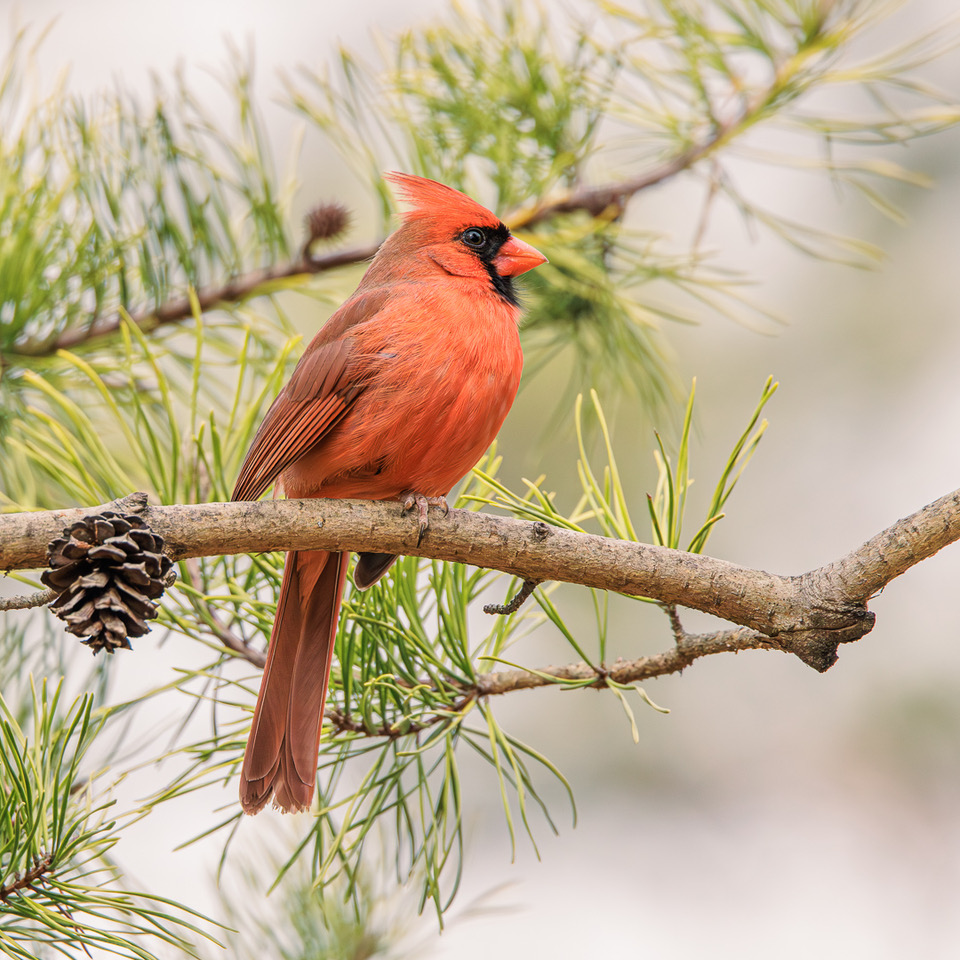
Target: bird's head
{"points": [[459, 235]]}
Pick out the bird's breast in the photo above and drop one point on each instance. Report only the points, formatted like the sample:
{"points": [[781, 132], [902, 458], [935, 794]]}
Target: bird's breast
{"points": [[442, 379]]}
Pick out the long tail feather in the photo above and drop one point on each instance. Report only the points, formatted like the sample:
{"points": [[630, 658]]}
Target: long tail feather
{"points": [[281, 755]]}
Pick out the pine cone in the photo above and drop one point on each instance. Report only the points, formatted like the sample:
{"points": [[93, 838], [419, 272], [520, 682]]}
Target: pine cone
{"points": [[110, 570]]}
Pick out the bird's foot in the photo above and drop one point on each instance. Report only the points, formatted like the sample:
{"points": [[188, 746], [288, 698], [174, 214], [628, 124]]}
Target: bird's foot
{"points": [[413, 500]]}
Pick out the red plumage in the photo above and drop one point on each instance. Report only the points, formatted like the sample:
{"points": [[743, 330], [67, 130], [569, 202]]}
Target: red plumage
{"points": [[401, 392]]}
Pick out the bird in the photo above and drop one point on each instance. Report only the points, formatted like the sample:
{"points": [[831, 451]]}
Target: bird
{"points": [[397, 397]]}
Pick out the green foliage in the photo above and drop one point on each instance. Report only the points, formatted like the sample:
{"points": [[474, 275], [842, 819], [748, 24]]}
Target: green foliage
{"points": [[668, 506], [174, 421], [111, 205], [582, 308], [605, 499], [58, 889], [730, 68], [458, 103]]}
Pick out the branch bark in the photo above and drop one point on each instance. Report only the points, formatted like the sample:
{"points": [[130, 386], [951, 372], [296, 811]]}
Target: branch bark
{"points": [[40, 868], [692, 647], [234, 290], [807, 615], [597, 200]]}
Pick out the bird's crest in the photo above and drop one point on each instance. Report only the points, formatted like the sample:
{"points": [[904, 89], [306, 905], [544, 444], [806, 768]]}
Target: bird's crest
{"points": [[434, 200]]}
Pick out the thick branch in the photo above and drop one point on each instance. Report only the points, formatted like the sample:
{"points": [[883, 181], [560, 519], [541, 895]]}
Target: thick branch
{"points": [[808, 615], [865, 572], [538, 552]]}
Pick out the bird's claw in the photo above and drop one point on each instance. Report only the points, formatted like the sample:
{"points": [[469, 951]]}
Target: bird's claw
{"points": [[421, 503]]}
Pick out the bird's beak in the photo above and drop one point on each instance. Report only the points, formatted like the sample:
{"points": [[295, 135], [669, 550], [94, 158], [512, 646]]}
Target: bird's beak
{"points": [[516, 257]]}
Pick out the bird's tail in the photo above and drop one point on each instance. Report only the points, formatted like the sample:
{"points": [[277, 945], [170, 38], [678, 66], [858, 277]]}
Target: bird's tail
{"points": [[370, 568], [281, 755]]}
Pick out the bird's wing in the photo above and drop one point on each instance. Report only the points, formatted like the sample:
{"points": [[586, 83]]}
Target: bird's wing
{"points": [[322, 389]]}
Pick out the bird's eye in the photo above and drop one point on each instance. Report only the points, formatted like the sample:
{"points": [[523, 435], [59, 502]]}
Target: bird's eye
{"points": [[474, 237]]}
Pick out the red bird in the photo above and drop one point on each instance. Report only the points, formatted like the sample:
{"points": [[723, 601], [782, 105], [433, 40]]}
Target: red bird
{"points": [[396, 398]]}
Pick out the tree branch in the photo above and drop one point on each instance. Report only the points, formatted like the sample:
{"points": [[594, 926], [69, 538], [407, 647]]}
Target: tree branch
{"points": [[693, 647], [623, 672], [40, 867], [592, 200], [807, 615], [28, 600], [234, 290], [597, 200]]}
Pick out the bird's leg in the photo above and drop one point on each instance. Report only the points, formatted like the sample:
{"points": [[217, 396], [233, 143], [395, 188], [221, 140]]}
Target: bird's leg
{"points": [[412, 500]]}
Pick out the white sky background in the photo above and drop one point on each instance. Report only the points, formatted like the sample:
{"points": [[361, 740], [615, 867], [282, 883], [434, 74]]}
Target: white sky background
{"points": [[775, 813]]}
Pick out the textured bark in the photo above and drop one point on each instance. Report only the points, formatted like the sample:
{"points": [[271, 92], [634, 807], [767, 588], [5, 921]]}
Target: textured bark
{"points": [[807, 615]]}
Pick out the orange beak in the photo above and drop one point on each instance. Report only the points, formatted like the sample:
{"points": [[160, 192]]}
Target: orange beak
{"points": [[516, 257]]}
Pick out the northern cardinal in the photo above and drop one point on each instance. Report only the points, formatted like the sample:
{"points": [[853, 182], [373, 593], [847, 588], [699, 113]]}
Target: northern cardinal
{"points": [[396, 398]]}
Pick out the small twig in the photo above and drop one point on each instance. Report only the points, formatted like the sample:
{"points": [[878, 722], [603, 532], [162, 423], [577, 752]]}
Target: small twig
{"points": [[679, 634], [220, 630], [345, 724], [40, 868], [693, 647], [234, 290], [512, 606], [27, 600], [239, 646], [599, 200]]}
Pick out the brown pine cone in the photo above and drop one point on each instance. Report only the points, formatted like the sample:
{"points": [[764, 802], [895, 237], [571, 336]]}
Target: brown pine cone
{"points": [[109, 569]]}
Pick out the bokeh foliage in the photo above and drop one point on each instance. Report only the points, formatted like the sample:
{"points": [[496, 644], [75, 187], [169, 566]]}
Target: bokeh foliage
{"points": [[110, 208]]}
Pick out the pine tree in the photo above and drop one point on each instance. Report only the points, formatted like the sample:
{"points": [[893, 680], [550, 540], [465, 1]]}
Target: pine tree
{"points": [[148, 268]]}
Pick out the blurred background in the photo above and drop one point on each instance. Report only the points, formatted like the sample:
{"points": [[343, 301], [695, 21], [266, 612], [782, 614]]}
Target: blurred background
{"points": [[774, 812]]}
